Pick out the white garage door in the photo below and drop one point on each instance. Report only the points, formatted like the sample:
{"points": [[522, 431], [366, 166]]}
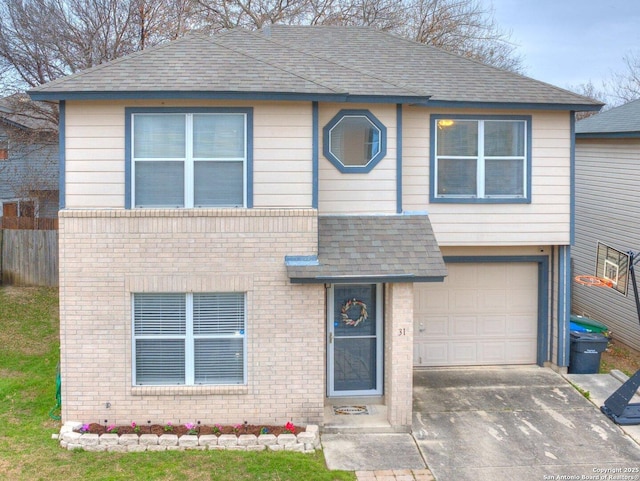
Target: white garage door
{"points": [[482, 314]]}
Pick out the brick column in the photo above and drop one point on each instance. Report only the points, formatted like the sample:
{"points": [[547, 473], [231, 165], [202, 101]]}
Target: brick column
{"points": [[399, 354]]}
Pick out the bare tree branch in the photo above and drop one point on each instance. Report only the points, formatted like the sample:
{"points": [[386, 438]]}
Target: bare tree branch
{"points": [[625, 86]]}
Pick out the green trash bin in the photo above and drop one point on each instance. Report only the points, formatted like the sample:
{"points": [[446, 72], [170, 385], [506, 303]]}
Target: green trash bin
{"points": [[586, 349], [587, 324]]}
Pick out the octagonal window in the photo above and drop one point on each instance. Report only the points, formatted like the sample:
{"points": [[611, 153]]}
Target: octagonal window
{"points": [[354, 141]]}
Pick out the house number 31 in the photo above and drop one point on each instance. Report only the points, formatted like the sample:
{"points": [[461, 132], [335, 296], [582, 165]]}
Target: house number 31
{"points": [[402, 332]]}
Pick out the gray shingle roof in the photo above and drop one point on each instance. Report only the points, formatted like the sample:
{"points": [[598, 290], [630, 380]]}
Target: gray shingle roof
{"points": [[623, 121], [19, 111], [399, 248], [307, 61]]}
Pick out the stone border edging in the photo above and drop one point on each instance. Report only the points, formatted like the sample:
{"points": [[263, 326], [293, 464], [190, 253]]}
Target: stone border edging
{"points": [[306, 442]]}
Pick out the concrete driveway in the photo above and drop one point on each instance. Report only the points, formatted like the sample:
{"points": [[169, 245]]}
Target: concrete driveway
{"points": [[515, 423]]}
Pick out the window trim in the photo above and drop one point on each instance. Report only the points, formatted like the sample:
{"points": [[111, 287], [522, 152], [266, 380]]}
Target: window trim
{"points": [[189, 338], [128, 147], [337, 163], [433, 195]]}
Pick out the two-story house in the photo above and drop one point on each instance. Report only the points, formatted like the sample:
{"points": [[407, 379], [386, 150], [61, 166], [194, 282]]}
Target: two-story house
{"points": [[258, 225]]}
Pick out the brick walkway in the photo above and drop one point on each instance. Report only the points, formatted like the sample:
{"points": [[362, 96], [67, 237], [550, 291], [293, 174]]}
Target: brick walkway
{"points": [[396, 475]]}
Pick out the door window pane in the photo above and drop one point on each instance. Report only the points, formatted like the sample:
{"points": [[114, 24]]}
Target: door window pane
{"points": [[356, 303], [355, 364]]}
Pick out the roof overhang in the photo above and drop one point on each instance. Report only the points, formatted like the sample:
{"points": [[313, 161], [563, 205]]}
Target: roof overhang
{"points": [[608, 135], [215, 95], [515, 105], [371, 248]]}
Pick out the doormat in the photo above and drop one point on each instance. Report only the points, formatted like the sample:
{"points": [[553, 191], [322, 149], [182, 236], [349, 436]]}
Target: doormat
{"points": [[351, 410]]}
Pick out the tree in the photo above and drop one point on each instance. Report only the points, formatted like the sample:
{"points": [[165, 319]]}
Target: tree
{"points": [[41, 40], [625, 86], [464, 27], [589, 90]]}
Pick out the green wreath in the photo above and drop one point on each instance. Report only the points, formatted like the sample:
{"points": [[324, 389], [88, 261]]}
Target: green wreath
{"points": [[348, 305]]}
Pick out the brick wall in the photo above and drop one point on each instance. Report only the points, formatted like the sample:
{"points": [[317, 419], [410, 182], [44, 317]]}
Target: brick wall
{"points": [[105, 256], [399, 354]]}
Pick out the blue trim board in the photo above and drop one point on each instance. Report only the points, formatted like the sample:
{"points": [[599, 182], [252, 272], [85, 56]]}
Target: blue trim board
{"points": [[472, 200], [512, 105], [129, 111], [543, 290], [564, 304], [292, 261], [364, 279], [315, 153], [337, 163], [572, 179], [422, 100], [62, 154], [128, 200], [399, 158], [249, 113], [213, 95], [608, 135]]}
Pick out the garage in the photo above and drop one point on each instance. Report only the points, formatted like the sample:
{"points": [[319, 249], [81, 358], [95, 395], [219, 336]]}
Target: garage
{"points": [[484, 313]]}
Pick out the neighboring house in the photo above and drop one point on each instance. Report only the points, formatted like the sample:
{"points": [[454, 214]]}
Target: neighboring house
{"points": [[607, 205], [28, 161], [257, 225]]}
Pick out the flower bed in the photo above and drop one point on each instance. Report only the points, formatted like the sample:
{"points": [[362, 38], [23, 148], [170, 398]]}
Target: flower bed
{"points": [[135, 438]]}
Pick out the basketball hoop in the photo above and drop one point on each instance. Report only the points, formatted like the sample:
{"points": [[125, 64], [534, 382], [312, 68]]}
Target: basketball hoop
{"points": [[593, 281]]}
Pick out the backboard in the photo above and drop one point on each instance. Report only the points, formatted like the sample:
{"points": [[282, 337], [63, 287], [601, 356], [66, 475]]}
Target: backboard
{"points": [[613, 265]]}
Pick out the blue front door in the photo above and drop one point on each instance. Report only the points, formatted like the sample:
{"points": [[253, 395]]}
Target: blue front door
{"points": [[355, 339]]}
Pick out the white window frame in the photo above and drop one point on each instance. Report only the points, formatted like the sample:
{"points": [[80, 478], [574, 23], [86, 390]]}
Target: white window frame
{"points": [[481, 161], [189, 337], [189, 160]]}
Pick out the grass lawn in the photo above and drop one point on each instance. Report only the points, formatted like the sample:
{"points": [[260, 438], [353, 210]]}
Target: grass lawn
{"points": [[29, 353]]}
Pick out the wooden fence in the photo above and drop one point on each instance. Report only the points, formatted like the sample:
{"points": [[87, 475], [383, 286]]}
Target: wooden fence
{"points": [[29, 257]]}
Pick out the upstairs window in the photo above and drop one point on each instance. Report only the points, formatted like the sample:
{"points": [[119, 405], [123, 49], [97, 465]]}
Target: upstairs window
{"points": [[189, 160], [354, 141], [188, 339], [483, 160]]}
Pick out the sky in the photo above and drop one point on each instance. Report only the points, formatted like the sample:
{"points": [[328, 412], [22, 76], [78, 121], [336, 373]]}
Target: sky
{"points": [[571, 42]]}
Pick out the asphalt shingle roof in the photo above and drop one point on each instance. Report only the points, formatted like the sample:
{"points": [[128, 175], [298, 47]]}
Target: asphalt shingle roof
{"points": [[19, 111], [366, 248], [620, 120], [314, 61]]}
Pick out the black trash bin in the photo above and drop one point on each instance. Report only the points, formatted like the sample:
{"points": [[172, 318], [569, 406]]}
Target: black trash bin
{"points": [[586, 348]]}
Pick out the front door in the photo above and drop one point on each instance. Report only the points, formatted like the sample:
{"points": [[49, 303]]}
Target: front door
{"points": [[355, 339]]}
